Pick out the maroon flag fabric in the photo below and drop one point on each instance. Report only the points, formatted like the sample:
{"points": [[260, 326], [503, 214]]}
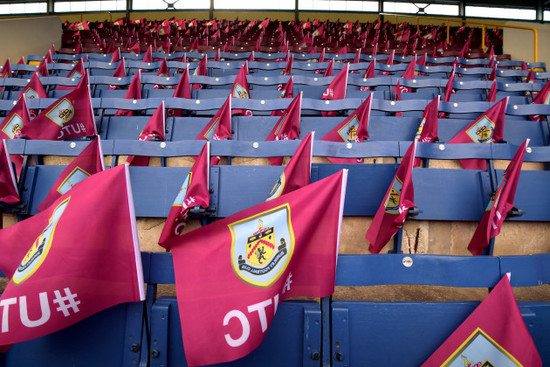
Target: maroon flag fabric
{"points": [[42, 69], [427, 130], [10, 127], [288, 67], [449, 86], [240, 89], [336, 89], [34, 89], [69, 117], [154, 130], [120, 72], [193, 192], [287, 91], [500, 204], [542, 97], [87, 163], [202, 69], [409, 73], [148, 56], [218, 128], [9, 193], [6, 69], [182, 90], [396, 204], [163, 71], [282, 248], [369, 73], [492, 95], [133, 92], [330, 68], [354, 129], [115, 53], [287, 127], [297, 172], [487, 128], [77, 73], [389, 62], [58, 273], [494, 334]]}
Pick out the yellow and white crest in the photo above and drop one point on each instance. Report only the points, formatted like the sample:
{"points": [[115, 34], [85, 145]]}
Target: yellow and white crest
{"points": [[31, 93], [13, 126], [420, 128], [239, 92], [209, 135], [479, 349], [76, 176], [482, 131], [262, 246], [40, 247], [348, 132], [277, 188], [62, 112], [392, 201], [183, 190]]}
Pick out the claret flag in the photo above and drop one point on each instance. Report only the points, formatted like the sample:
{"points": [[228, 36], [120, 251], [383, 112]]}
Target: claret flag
{"points": [[287, 127], [76, 258], [354, 129], [218, 128], [500, 204], [193, 192], [9, 193], [396, 204], [133, 92], [487, 128], [297, 172], [87, 163], [427, 130], [10, 127], [153, 130], [494, 334], [232, 274], [71, 116]]}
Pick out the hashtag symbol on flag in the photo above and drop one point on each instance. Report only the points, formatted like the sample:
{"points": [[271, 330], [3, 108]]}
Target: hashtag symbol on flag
{"points": [[66, 302], [288, 282]]}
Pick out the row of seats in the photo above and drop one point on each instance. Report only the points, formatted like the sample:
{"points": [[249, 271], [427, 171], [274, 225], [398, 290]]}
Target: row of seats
{"points": [[334, 331], [266, 88]]}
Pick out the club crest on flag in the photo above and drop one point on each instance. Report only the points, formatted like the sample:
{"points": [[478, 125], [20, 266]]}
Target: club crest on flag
{"points": [[262, 246], [74, 74], [481, 350], [209, 135], [420, 128], [277, 188], [13, 126], [240, 92], [62, 112], [348, 132], [76, 176], [482, 131], [40, 247], [392, 201], [31, 93], [183, 190]]}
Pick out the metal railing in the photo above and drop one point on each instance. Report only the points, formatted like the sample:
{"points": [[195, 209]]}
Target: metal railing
{"points": [[484, 24]]}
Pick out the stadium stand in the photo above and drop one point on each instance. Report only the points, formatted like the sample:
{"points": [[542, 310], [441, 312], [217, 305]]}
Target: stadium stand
{"points": [[392, 309]]}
